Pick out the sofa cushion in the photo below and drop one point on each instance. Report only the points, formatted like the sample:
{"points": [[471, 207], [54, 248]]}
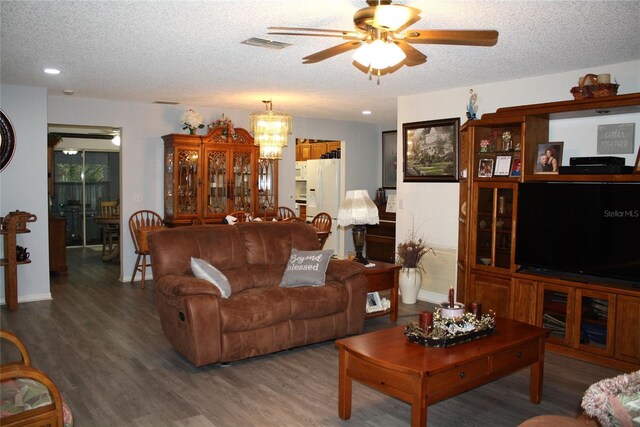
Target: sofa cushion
{"points": [[203, 270], [309, 303], [306, 268], [252, 309]]}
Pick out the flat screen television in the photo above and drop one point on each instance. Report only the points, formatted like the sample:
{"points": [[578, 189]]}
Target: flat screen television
{"points": [[583, 231]]}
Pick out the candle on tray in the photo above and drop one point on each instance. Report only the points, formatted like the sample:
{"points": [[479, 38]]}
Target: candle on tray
{"points": [[452, 298], [426, 320], [476, 309]]}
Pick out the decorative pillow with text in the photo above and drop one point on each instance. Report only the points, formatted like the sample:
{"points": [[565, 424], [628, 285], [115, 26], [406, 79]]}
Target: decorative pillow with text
{"points": [[203, 270], [306, 268]]}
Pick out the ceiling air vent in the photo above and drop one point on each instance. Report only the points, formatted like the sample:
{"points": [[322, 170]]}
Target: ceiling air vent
{"points": [[268, 44]]}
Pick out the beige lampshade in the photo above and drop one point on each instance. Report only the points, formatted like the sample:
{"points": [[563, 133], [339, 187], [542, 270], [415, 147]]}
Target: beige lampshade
{"points": [[357, 208]]}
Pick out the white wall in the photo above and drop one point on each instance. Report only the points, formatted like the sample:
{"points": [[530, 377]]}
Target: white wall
{"points": [[433, 207], [141, 159], [23, 186]]}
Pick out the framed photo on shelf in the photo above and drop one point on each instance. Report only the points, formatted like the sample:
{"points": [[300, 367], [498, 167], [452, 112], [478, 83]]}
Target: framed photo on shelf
{"points": [[374, 303], [485, 169], [549, 158], [515, 168], [503, 165], [430, 150], [389, 158]]}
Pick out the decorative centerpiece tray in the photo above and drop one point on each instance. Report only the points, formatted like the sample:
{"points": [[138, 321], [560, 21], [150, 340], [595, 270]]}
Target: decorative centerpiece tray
{"points": [[448, 332]]}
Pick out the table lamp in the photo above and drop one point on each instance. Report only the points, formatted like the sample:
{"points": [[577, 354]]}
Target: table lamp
{"points": [[358, 210]]}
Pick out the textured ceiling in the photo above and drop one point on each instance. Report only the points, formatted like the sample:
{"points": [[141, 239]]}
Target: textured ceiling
{"points": [[190, 51]]}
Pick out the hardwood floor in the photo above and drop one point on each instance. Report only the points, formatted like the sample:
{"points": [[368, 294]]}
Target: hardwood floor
{"points": [[101, 342]]}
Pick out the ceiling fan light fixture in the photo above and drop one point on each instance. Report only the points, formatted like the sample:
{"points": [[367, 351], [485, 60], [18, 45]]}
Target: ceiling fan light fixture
{"points": [[392, 16], [379, 55]]}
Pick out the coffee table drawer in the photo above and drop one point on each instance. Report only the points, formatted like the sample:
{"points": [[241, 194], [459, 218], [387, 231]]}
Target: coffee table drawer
{"points": [[522, 355], [459, 375]]}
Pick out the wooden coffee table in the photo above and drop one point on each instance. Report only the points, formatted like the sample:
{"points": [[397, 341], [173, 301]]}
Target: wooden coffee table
{"points": [[387, 361]]}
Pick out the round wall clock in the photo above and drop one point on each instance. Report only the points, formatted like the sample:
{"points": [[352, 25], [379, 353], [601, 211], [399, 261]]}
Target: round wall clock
{"points": [[7, 140]]}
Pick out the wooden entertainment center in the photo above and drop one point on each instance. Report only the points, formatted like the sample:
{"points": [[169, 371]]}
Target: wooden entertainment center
{"points": [[596, 322]]}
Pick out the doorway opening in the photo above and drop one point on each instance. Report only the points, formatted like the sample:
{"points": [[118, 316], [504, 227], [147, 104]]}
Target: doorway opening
{"points": [[84, 174]]}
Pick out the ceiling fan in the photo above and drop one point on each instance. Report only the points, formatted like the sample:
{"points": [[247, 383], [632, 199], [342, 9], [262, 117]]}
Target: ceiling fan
{"points": [[383, 42]]}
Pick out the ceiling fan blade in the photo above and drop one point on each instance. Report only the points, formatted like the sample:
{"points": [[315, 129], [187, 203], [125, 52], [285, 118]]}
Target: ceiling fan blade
{"points": [[408, 23], [414, 56], [454, 37], [319, 30], [340, 36], [332, 51]]}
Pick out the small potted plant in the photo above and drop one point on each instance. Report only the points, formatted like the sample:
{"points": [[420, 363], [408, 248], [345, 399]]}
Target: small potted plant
{"points": [[410, 253]]}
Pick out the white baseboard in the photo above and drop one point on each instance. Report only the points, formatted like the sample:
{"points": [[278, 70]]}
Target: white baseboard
{"points": [[30, 298]]}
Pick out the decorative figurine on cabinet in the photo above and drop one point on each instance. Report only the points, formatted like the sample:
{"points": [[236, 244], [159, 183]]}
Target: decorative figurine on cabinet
{"points": [[472, 108]]}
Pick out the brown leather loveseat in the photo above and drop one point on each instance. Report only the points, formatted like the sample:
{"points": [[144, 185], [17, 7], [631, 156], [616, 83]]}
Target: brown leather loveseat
{"points": [[259, 317]]}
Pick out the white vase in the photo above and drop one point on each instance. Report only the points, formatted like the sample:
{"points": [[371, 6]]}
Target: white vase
{"points": [[409, 281]]}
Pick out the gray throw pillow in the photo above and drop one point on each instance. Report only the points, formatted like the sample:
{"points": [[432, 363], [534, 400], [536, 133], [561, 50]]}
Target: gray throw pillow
{"points": [[306, 268], [203, 270]]}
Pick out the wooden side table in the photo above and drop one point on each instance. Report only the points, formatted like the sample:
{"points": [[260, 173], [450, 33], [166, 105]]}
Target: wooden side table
{"points": [[381, 277]]}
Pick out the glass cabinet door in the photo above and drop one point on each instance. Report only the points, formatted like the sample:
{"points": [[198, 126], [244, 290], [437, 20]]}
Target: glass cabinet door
{"points": [[267, 177], [216, 182], [556, 311], [187, 180], [241, 181], [595, 323], [168, 183], [493, 225]]}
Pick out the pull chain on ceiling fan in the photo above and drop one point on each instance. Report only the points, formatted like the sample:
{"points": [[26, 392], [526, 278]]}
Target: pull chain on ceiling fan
{"points": [[381, 40]]}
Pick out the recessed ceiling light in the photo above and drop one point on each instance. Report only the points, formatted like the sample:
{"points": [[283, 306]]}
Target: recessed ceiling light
{"points": [[52, 71], [68, 92], [366, 113]]}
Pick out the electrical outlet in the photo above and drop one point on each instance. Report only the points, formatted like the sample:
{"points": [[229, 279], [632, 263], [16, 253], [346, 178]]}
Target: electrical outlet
{"points": [[137, 198]]}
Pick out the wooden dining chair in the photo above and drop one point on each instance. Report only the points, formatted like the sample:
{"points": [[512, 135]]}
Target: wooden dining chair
{"points": [[322, 222], [140, 224], [110, 231], [293, 219], [240, 216], [284, 213]]}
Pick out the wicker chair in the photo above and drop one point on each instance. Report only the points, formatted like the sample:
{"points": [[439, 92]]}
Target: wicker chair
{"points": [[140, 224]]}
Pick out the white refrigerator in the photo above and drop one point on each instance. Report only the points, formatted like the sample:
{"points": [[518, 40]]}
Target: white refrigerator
{"points": [[323, 195]]}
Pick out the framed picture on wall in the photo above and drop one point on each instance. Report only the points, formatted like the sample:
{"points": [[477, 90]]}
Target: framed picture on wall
{"points": [[389, 158], [430, 150]]}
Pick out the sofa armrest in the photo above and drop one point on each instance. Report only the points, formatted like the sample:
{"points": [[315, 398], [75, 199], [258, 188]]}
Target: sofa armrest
{"points": [[175, 285], [341, 270]]}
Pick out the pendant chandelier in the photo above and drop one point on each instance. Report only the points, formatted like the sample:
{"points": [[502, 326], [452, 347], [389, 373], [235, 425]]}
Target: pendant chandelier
{"points": [[270, 130]]}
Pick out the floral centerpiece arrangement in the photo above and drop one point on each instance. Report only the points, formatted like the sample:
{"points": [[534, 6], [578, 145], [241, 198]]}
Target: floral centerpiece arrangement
{"points": [[227, 124], [446, 332], [191, 120]]}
